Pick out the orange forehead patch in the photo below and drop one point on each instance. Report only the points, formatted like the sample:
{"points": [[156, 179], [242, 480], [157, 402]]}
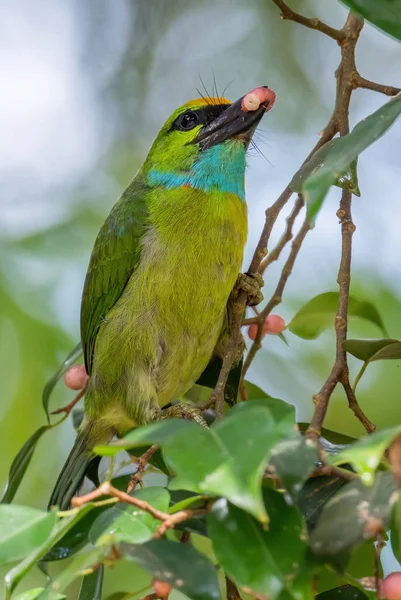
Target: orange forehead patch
{"points": [[208, 101]]}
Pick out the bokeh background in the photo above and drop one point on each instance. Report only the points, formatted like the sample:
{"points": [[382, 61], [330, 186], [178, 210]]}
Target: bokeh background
{"points": [[85, 87]]}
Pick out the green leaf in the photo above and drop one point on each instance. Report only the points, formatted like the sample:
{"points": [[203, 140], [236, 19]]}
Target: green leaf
{"points": [[14, 576], [292, 461], [356, 513], [76, 568], [214, 461], [385, 14], [374, 349], [263, 560], [319, 314], [282, 412], [75, 538], [91, 588], [51, 384], [347, 180], [366, 454], [127, 523], [156, 433], [20, 464], [22, 529], [35, 593], [344, 592], [335, 160], [315, 494], [180, 565]]}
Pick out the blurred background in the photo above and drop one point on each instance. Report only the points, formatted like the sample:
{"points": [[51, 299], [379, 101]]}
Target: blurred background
{"points": [[85, 87]]}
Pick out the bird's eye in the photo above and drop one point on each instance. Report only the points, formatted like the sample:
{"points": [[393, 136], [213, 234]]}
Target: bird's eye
{"points": [[188, 121]]}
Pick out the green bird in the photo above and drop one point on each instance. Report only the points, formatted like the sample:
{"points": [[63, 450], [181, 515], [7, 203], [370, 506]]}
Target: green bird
{"points": [[161, 272]]}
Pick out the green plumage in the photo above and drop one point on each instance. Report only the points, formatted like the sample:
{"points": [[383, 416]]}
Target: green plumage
{"points": [[161, 271]]}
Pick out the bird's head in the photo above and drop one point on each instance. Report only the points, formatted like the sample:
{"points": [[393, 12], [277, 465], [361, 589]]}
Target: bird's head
{"points": [[203, 143]]}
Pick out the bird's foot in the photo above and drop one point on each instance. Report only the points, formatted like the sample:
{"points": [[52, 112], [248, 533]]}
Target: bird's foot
{"points": [[251, 284], [185, 411]]}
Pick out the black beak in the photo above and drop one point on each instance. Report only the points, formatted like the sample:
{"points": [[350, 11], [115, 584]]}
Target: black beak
{"points": [[232, 122]]}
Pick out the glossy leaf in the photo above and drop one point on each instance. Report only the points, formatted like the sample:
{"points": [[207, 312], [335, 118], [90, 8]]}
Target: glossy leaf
{"points": [[344, 592], [126, 523], [15, 575], [348, 180], [180, 565], [264, 560], [292, 461], [22, 529], [366, 454], [214, 461], [319, 314], [91, 587], [367, 349], [385, 14], [75, 538], [356, 513], [76, 568], [20, 464], [282, 412], [342, 151], [315, 494], [156, 433], [51, 384]]}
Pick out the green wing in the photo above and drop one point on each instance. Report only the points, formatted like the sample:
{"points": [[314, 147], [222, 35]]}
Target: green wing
{"points": [[115, 256]]}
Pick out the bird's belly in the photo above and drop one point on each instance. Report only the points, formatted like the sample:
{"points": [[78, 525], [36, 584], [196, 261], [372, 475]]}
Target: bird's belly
{"points": [[160, 335]]}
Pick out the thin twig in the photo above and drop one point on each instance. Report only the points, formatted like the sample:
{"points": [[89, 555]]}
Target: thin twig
{"points": [[179, 517], [339, 372], [288, 13], [142, 462], [167, 521], [380, 543], [232, 592], [388, 90], [277, 294], [68, 408], [106, 489], [285, 238]]}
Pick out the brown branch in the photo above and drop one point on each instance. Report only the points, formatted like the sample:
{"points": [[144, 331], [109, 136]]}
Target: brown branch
{"points": [[68, 408], [277, 294], [179, 517], [167, 521], [142, 462], [106, 489], [232, 592], [285, 238], [353, 404], [288, 13], [345, 76], [388, 90]]}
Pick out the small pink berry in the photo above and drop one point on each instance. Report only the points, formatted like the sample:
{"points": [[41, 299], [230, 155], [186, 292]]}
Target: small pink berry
{"points": [[76, 377], [253, 330], [274, 324], [161, 588], [391, 587]]}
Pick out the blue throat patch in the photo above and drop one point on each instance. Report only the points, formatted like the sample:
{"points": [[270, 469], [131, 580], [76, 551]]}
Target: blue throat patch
{"points": [[220, 168]]}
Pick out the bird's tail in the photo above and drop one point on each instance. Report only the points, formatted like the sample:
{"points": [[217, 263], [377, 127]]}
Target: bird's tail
{"points": [[77, 463]]}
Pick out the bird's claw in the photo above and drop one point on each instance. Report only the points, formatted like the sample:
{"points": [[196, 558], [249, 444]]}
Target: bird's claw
{"points": [[251, 284], [185, 411]]}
